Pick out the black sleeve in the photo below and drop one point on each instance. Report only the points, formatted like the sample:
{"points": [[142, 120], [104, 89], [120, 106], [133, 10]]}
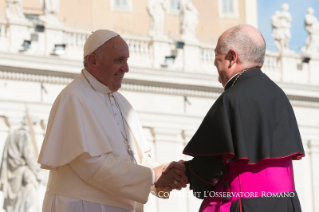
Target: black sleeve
{"points": [[203, 173]]}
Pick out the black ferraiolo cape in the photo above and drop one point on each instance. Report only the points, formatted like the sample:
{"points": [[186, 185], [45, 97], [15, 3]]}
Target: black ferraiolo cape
{"points": [[251, 120]]}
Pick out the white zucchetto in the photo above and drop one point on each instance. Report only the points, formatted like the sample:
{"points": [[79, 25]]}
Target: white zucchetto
{"points": [[97, 39]]}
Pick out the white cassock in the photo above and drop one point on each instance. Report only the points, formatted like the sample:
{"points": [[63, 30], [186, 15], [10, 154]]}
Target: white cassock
{"points": [[85, 150]]}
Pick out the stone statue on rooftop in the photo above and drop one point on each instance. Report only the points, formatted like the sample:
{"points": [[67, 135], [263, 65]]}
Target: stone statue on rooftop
{"points": [[156, 9], [51, 11], [14, 10], [188, 20], [51, 7], [281, 23], [312, 41]]}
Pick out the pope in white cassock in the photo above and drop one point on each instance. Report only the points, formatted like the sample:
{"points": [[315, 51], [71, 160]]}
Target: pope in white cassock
{"points": [[94, 145]]}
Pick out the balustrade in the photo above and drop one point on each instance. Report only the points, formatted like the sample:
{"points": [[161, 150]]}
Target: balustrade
{"points": [[74, 41], [272, 66], [3, 37], [207, 59], [288, 68], [141, 52]]}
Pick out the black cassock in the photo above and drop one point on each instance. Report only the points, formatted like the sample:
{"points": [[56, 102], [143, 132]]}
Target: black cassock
{"points": [[252, 120]]}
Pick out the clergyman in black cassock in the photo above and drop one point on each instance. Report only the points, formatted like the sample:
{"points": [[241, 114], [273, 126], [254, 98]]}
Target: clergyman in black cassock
{"points": [[243, 149]]}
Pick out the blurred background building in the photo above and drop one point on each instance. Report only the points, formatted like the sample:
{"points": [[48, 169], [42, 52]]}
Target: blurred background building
{"points": [[172, 81]]}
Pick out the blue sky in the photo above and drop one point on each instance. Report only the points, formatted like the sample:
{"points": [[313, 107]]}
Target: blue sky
{"points": [[297, 9]]}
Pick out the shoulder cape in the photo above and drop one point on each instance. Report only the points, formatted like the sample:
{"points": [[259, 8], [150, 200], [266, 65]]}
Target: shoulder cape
{"points": [[80, 122], [252, 120]]}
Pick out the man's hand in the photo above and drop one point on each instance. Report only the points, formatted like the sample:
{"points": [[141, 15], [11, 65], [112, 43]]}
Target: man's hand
{"points": [[177, 165], [167, 175]]}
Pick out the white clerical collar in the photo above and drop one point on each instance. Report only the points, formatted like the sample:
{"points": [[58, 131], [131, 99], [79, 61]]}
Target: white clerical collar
{"points": [[96, 85]]}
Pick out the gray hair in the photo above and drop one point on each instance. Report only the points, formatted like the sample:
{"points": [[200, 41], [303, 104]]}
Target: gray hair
{"points": [[85, 61], [97, 52], [249, 47]]}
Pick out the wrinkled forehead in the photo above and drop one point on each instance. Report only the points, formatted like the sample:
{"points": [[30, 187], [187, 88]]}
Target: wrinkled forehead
{"points": [[116, 43], [116, 47]]}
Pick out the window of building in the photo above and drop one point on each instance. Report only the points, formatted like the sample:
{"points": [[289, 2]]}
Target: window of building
{"points": [[228, 8], [33, 18], [174, 6], [121, 4]]}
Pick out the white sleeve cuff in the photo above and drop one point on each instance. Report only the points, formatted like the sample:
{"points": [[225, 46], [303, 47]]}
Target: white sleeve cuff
{"points": [[153, 176]]}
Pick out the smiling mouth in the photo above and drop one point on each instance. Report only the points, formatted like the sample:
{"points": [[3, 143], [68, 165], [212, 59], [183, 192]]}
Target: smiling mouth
{"points": [[120, 75]]}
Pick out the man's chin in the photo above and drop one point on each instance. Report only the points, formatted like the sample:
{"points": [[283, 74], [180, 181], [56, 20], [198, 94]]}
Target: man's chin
{"points": [[221, 82], [115, 88]]}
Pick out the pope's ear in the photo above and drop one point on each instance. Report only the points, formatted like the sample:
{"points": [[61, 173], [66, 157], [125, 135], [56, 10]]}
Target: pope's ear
{"points": [[92, 60]]}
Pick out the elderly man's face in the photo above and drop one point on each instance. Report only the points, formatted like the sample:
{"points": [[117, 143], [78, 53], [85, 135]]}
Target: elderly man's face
{"points": [[113, 64]]}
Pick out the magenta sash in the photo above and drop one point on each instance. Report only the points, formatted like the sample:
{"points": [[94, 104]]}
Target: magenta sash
{"points": [[264, 179]]}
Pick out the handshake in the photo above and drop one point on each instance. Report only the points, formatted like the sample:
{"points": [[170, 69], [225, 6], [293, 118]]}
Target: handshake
{"points": [[171, 176]]}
